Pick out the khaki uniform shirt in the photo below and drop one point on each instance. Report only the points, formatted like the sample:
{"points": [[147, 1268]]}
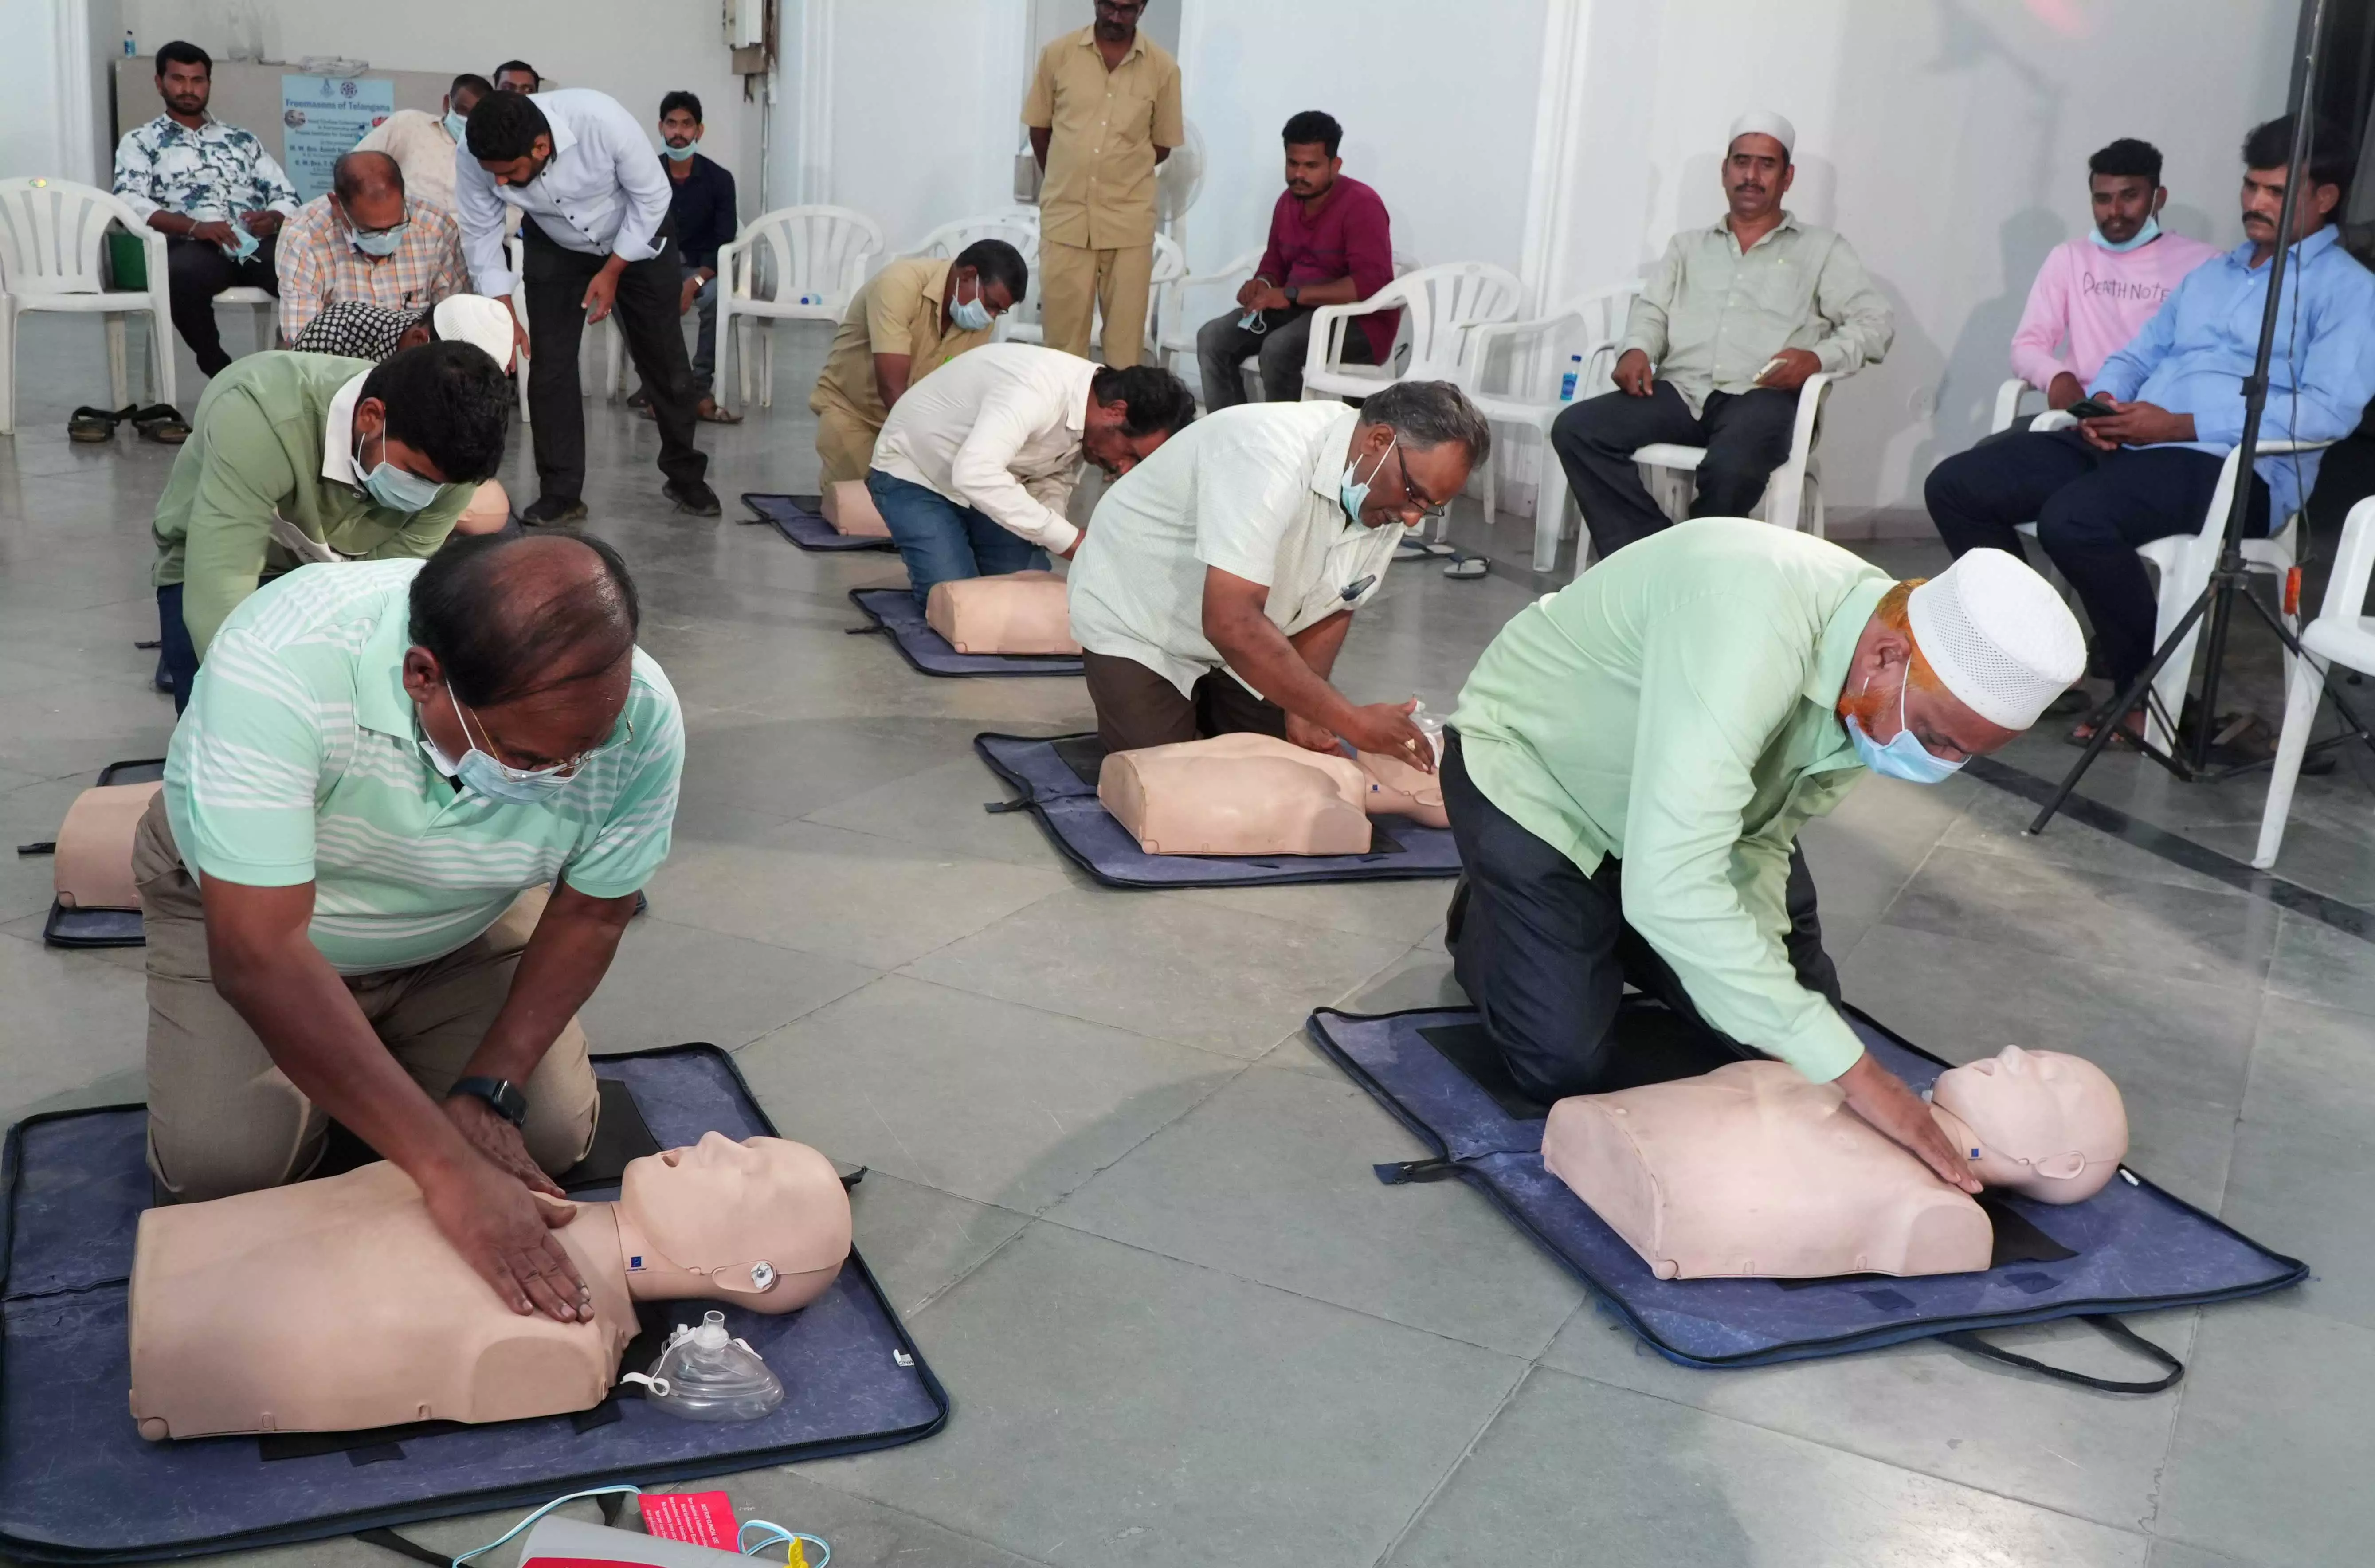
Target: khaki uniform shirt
{"points": [[898, 312], [1099, 193]]}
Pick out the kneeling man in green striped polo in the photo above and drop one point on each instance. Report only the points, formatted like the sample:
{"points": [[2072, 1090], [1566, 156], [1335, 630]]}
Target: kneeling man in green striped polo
{"points": [[404, 822]]}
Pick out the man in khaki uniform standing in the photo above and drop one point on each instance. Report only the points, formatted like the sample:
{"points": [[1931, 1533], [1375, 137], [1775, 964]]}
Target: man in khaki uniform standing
{"points": [[1103, 110], [915, 316]]}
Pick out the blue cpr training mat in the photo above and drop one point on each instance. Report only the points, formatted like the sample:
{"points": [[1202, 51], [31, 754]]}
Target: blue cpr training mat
{"points": [[78, 1484], [799, 519], [894, 610], [2130, 1248], [1056, 779], [104, 928]]}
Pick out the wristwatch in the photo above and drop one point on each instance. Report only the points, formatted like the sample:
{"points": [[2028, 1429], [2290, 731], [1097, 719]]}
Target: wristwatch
{"points": [[1293, 292], [501, 1096]]}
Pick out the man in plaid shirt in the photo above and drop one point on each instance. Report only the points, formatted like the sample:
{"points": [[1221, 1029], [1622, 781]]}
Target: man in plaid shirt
{"points": [[364, 241]]}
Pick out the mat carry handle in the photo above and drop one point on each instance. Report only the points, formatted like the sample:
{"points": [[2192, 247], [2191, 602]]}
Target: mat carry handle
{"points": [[2103, 1324], [1397, 1172]]}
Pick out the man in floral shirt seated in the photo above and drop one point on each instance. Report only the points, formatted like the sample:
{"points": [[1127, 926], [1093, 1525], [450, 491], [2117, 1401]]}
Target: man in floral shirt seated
{"points": [[212, 190]]}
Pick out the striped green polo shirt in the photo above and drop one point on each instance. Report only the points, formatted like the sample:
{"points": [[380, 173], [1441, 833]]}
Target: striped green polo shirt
{"points": [[300, 761]]}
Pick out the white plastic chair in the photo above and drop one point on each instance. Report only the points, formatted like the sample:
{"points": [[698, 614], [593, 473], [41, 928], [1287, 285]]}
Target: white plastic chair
{"points": [[2010, 395], [267, 306], [1019, 229], [1600, 316], [1177, 331], [1793, 495], [815, 257], [51, 235], [1439, 306], [2184, 562], [1170, 267], [2340, 635]]}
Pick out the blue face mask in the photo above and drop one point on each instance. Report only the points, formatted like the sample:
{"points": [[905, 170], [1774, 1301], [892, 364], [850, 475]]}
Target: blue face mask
{"points": [[378, 242], [391, 486], [455, 125], [242, 245], [969, 316], [1904, 756], [678, 154], [481, 774], [1354, 493], [2145, 236]]}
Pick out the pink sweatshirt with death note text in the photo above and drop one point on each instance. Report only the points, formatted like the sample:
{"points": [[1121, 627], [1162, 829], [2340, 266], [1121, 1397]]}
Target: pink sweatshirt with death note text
{"points": [[2096, 300]]}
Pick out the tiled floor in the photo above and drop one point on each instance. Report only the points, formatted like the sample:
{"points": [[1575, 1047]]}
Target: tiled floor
{"points": [[1129, 1214]]}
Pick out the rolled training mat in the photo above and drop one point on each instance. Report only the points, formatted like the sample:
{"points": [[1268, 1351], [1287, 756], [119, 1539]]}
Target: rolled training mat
{"points": [[78, 1484], [796, 517], [104, 927], [894, 611], [2130, 1248], [1056, 780]]}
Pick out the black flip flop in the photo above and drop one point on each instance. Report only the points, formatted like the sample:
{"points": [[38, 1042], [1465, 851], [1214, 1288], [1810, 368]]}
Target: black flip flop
{"points": [[88, 424], [160, 422]]}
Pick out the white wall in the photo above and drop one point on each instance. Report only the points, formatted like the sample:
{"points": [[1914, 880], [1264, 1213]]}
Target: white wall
{"points": [[31, 139], [1947, 139]]}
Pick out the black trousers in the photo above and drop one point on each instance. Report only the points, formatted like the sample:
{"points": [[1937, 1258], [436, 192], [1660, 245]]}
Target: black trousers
{"points": [[646, 313], [1221, 345], [1138, 708], [2092, 509], [1746, 435], [198, 270], [1543, 951]]}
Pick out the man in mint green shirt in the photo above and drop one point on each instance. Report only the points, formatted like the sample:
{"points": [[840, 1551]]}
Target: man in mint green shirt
{"points": [[404, 822], [1632, 757], [299, 457]]}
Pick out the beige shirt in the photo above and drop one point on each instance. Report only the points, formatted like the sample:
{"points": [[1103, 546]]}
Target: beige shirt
{"points": [[1709, 317], [898, 312], [1099, 187], [1253, 490], [418, 142], [997, 430]]}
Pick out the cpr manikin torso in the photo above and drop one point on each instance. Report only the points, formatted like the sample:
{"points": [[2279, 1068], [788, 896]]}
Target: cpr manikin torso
{"points": [[849, 508], [1014, 612], [1752, 1170], [337, 1306], [94, 856], [1257, 794]]}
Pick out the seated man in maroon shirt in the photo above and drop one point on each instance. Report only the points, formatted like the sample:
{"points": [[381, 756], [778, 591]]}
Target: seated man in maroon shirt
{"points": [[1329, 244]]}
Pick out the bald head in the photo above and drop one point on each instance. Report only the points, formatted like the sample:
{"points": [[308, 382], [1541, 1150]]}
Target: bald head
{"points": [[365, 173], [506, 620]]}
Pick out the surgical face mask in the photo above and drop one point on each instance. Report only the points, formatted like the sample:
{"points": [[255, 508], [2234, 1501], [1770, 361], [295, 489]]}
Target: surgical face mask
{"points": [[680, 154], [969, 316], [242, 245], [481, 774], [390, 486], [1904, 756], [1354, 493], [2145, 236], [377, 242], [455, 125]]}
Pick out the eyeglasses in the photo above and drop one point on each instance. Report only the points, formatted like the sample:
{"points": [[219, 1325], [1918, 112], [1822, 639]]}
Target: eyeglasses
{"points": [[564, 768], [1412, 501]]}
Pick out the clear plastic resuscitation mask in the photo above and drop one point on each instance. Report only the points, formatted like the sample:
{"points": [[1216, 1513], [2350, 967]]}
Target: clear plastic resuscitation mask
{"points": [[481, 774], [1904, 756], [390, 486], [705, 1375], [1354, 493], [969, 316]]}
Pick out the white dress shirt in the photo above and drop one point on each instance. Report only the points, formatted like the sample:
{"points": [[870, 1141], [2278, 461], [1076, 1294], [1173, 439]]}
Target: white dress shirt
{"points": [[997, 429], [1251, 489], [602, 193]]}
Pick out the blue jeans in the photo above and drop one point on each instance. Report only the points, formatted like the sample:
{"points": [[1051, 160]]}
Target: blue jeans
{"points": [[942, 542], [177, 657]]}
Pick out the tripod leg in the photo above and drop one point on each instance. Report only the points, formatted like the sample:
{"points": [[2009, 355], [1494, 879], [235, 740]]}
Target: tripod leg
{"points": [[2180, 636]]}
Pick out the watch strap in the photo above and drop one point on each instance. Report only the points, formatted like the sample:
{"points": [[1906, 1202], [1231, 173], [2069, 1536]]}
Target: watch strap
{"points": [[501, 1096]]}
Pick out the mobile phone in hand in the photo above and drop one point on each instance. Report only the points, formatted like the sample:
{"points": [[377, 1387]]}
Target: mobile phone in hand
{"points": [[2088, 409]]}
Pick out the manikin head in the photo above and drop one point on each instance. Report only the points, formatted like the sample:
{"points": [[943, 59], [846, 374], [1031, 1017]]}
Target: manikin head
{"points": [[2045, 1124], [752, 1223]]}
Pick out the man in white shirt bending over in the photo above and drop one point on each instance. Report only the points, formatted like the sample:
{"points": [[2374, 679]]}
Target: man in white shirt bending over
{"points": [[600, 238], [976, 463]]}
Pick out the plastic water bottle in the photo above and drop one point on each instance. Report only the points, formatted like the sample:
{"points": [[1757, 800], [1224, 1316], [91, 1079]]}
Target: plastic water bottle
{"points": [[1574, 374], [131, 50]]}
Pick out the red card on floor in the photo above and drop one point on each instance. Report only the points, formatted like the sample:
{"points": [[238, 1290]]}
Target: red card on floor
{"points": [[699, 1518]]}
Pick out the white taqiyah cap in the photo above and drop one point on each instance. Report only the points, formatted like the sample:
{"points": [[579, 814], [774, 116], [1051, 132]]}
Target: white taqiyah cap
{"points": [[1999, 636], [1765, 122], [474, 318]]}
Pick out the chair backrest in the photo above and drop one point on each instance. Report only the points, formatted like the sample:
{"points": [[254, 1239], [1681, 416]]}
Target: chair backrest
{"points": [[51, 235], [812, 255], [1019, 227], [1438, 305]]}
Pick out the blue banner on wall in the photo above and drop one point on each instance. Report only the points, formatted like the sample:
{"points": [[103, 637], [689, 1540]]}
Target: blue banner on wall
{"points": [[324, 117]]}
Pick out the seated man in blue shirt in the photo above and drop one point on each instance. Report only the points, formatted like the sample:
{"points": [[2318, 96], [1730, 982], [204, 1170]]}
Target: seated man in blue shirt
{"points": [[2147, 469], [701, 200]]}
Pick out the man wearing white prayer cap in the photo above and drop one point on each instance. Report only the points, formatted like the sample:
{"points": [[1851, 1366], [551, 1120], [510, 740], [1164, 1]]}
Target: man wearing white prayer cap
{"points": [[1736, 317], [1632, 757]]}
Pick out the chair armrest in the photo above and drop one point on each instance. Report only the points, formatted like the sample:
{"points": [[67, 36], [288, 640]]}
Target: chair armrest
{"points": [[1325, 350], [2052, 420], [1802, 430], [2008, 396], [733, 265], [2354, 562]]}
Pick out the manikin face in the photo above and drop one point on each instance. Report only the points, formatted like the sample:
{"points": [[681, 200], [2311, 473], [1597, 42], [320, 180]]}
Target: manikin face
{"points": [[2049, 1126], [744, 1213]]}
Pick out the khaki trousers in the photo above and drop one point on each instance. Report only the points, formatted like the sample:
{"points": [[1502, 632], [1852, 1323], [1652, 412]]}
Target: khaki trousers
{"points": [[222, 1119], [1074, 281], [846, 443]]}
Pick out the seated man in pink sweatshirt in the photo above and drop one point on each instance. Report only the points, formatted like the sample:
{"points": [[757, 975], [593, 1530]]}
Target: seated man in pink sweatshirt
{"points": [[2094, 295]]}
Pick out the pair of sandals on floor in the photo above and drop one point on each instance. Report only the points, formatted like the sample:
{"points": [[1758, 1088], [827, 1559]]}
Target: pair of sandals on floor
{"points": [[159, 422], [2238, 738]]}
